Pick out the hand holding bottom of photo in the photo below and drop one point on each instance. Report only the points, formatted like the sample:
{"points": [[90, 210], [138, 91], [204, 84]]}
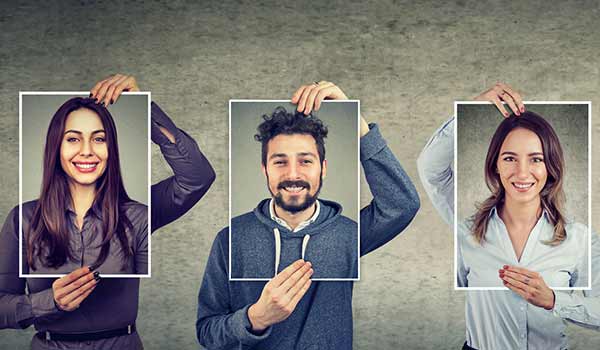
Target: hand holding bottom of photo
{"points": [[529, 285], [71, 290], [280, 296]]}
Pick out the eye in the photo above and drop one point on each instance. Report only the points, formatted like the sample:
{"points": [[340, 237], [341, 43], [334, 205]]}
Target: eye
{"points": [[509, 159], [72, 139], [99, 139], [279, 162], [306, 161], [537, 159]]}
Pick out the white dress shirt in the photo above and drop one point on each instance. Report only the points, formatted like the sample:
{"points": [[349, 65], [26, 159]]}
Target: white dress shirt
{"points": [[501, 319]]}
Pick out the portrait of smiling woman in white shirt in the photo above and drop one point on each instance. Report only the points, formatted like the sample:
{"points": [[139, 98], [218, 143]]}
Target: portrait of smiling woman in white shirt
{"points": [[519, 237]]}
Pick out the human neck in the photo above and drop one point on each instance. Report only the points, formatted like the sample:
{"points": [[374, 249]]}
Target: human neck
{"points": [[294, 219], [83, 196], [521, 215]]}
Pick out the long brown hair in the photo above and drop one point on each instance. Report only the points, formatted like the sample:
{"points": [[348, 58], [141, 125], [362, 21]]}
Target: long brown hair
{"points": [[48, 237], [552, 195]]}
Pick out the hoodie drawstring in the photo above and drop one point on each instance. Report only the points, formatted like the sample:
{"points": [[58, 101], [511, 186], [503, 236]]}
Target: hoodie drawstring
{"points": [[278, 247]]}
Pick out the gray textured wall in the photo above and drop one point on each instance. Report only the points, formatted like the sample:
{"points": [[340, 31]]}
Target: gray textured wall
{"points": [[475, 127], [248, 183], [406, 61]]}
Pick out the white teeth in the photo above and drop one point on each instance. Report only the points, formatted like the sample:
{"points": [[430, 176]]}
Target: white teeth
{"points": [[85, 166], [522, 185], [294, 189]]}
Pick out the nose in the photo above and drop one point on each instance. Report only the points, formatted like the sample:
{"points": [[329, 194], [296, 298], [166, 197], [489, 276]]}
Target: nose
{"points": [[86, 149], [293, 170], [523, 170]]}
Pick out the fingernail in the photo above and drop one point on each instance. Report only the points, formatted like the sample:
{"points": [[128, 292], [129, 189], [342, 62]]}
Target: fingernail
{"points": [[91, 268], [97, 277], [96, 274], [111, 101], [522, 108], [95, 100], [505, 267], [90, 95], [103, 104]]}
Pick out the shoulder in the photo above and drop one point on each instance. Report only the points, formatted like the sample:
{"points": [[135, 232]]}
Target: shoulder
{"points": [[246, 218], [464, 228], [577, 231], [28, 208], [346, 221]]}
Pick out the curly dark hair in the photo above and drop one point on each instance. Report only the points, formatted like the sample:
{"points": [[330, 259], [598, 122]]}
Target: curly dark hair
{"points": [[283, 122]]}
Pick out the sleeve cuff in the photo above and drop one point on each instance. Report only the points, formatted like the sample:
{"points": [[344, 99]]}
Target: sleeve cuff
{"points": [[242, 328], [371, 143], [561, 303], [42, 305]]}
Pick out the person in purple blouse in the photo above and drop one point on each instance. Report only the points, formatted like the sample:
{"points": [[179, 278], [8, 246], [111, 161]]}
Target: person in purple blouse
{"points": [[83, 197]]}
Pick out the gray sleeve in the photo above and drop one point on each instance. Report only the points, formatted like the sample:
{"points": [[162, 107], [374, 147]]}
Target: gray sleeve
{"points": [[436, 172], [193, 174], [218, 324], [18, 309], [395, 200]]}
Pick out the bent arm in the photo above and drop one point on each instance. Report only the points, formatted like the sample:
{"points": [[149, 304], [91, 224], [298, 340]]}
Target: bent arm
{"points": [[193, 174], [436, 172], [583, 310], [17, 309], [218, 325], [395, 200]]}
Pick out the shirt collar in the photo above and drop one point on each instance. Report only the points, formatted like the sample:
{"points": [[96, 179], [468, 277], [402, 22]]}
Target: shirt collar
{"points": [[95, 209], [494, 213], [300, 226]]}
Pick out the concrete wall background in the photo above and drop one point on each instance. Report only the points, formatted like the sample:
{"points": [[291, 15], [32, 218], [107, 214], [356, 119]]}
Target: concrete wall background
{"points": [[406, 61], [476, 125]]}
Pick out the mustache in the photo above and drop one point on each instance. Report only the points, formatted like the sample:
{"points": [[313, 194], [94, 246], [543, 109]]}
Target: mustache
{"points": [[290, 183]]}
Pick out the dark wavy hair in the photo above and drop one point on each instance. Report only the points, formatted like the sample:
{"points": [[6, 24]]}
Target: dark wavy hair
{"points": [[288, 123], [48, 237], [552, 195]]}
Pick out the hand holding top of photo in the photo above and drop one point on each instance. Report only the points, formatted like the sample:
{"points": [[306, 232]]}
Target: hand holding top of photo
{"points": [[280, 296], [72, 289], [109, 90], [499, 93], [309, 97]]}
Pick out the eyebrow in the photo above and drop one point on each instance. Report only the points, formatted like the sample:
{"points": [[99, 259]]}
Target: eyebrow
{"points": [[515, 154], [80, 133], [301, 154]]}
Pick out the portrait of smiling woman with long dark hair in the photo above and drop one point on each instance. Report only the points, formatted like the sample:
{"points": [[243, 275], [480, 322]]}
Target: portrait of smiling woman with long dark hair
{"points": [[84, 225], [82, 170]]}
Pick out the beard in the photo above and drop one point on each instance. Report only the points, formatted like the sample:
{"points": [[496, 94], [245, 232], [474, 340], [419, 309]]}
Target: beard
{"points": [[295, 205]]}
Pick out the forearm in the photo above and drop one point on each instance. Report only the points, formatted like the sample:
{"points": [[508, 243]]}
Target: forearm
{"points": [[436, 170], [395, 199], [581, 310], [22, 310], [192, 173]]}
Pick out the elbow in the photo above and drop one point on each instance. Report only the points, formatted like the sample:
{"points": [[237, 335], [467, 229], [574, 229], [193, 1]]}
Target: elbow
{"points": [[200, 333]]}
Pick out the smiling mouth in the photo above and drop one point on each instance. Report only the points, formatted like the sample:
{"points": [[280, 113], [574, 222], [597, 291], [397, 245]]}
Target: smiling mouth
{"points": [[294, 189], [85, 167], [523, 186]]}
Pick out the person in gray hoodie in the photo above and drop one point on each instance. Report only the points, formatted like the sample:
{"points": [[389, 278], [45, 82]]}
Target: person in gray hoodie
{"points": [[290, 311]]}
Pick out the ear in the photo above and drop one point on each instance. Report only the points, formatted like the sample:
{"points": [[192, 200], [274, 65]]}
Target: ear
{"points": [[324, 165], [264, 169]]}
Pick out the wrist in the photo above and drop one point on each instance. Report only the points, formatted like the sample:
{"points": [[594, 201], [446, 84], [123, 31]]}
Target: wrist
{"points": [[256, 320], [551, 305]]}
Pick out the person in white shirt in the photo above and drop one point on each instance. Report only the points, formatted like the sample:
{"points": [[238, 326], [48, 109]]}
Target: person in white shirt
{"points": [[530, 315]]}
